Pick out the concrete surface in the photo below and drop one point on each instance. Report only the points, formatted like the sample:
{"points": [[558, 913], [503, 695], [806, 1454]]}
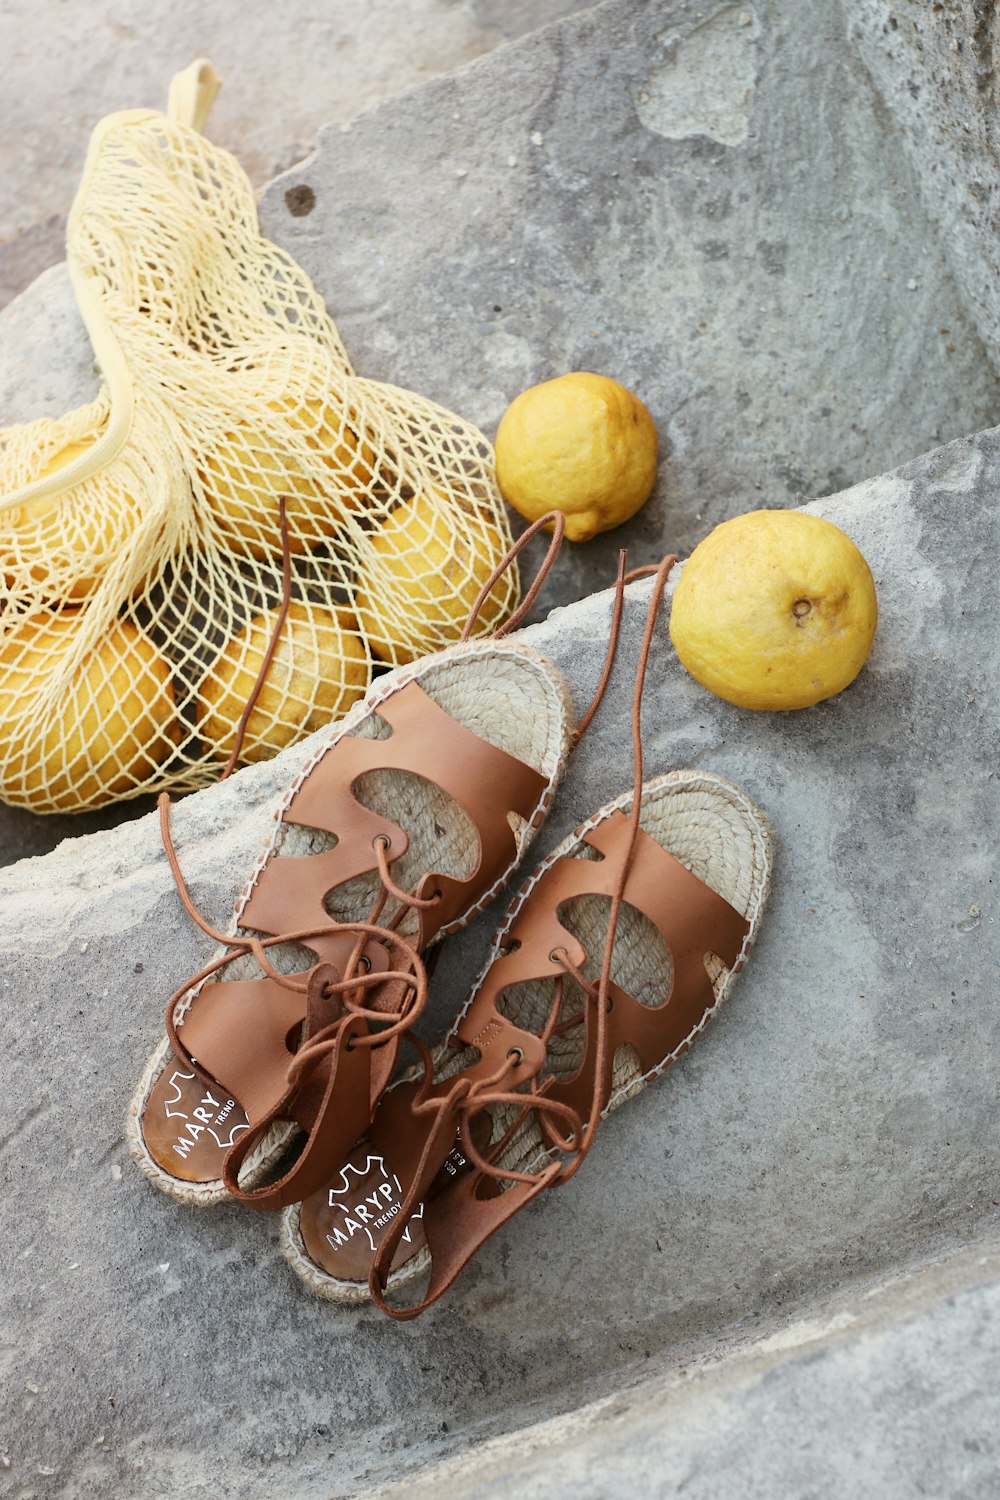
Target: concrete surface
{"points": [[754, 286], [836, 1123], [717, 213], [902, 1377], [287, 69], [724, 222], [937, 68]]}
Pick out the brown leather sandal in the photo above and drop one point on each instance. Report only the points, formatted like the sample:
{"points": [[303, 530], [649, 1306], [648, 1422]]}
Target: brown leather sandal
{"points": [[411, 815], [409, 818], [613, 957], [543, 1049]]}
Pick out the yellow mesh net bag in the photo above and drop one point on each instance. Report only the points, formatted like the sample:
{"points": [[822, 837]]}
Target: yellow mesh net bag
{"points": [[141, 550]]}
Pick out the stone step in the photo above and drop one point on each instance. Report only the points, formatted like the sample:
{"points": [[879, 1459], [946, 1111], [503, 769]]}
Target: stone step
{"points": [[717, 214], [290, 70], [691, 221], [890, 1391], [835, 1124], [707, 214], [936, 70]]}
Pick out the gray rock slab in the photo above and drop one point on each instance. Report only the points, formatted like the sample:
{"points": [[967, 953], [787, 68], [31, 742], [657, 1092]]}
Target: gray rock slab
{"points": [[837, 1121], [720, 218], [717, 213], [937, 68], [890, 1393], [286, 71], [704, 199]]}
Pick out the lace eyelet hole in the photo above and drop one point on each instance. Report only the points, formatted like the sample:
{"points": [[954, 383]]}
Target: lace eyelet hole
{"points": [[517, 1054], [380, 839], [609, 1004], [557, 955], [365, 964]]}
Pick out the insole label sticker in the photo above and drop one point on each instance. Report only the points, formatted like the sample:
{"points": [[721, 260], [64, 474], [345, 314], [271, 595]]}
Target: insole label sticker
{"points": [[209, 1114], [367, 1199]]}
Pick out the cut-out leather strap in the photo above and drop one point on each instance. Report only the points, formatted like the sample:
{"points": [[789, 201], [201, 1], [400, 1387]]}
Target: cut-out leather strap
{"points": [[244, 1033], [484, 780], [415, 1127], [346, 1081], [456, 1227], [694, 920], [702, 924], [250, 1029]]}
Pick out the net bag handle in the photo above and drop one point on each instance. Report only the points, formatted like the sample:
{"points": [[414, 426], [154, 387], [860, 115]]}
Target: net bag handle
{"points": [[191, 96]]}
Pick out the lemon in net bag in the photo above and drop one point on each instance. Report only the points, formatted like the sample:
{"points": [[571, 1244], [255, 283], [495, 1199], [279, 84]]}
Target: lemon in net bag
{"points": [[141, 538]]}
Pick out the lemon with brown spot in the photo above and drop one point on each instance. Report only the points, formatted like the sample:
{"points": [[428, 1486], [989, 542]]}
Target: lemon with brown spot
{"points": [[581, 444], [423, 575], [775, 609], [318, 671], [80, 736]]}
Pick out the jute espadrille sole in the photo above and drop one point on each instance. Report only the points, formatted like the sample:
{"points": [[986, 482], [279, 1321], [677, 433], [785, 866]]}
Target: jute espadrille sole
{"points": [[713, 828], [504, 692]]}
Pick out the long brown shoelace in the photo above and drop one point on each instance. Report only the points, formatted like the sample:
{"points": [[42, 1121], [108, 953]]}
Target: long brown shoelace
{"points": [[567, 1136], [334, 1001]]}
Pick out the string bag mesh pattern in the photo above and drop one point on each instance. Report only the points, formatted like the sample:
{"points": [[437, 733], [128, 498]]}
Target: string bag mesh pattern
{"points": [[140, 536]]}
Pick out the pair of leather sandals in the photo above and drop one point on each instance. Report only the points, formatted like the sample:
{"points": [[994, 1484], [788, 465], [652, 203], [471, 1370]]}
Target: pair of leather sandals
{"points": [[278, 1082]]}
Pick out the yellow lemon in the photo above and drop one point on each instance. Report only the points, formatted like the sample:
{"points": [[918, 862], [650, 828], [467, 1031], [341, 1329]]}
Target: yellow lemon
{"points": [[582, 444], [314, 460], [98, 732], [243, 478], [332, 435], [423, 575], [775, 609], [60, 546], [318, 670]]}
